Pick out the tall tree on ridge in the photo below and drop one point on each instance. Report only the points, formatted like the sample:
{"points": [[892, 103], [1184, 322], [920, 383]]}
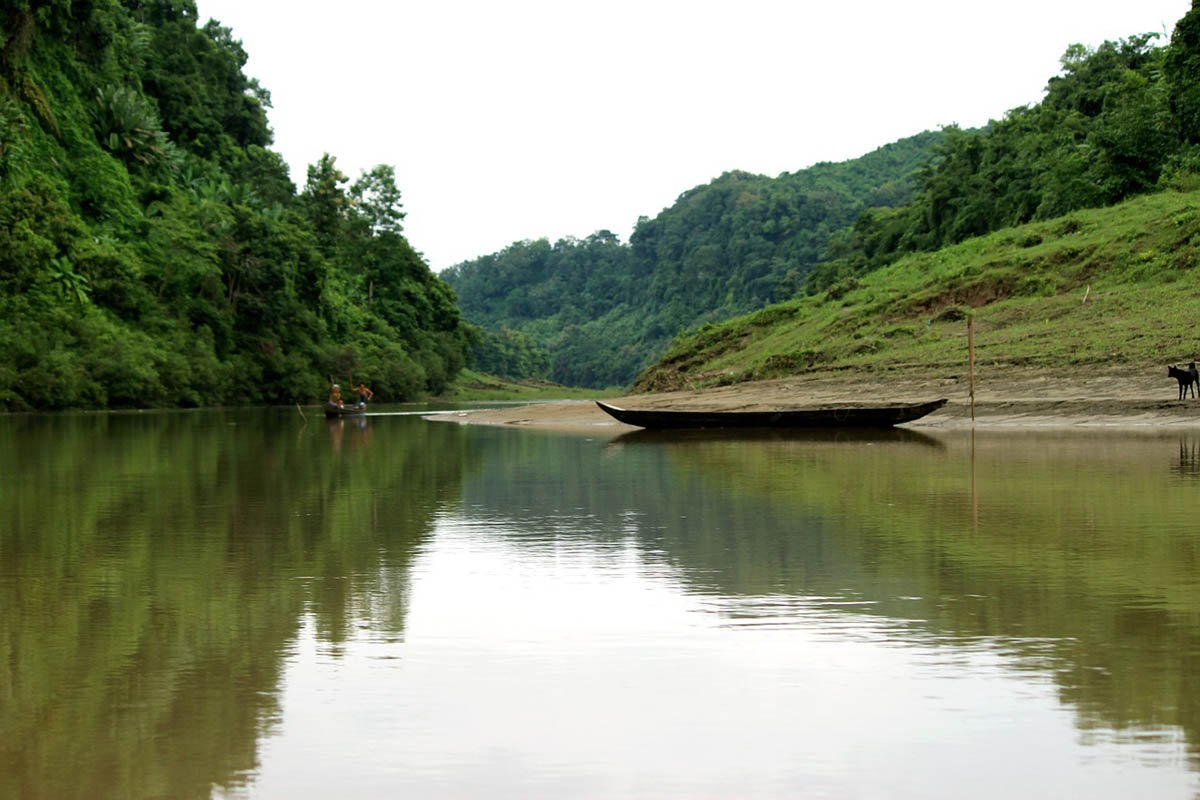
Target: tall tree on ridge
{"points": [[1182, 72]]}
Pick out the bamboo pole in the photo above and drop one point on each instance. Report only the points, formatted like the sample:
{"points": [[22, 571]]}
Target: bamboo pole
{"points": [[971, 359]]}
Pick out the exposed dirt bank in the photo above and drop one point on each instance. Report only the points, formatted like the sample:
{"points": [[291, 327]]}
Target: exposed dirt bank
{"points": [[1004, 397]]}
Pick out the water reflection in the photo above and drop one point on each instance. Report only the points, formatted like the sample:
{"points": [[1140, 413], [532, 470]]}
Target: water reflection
{"points": [[1188, 465], [192, 600], [684, 437], [1072, 553], [155, 570], [359, 430]]}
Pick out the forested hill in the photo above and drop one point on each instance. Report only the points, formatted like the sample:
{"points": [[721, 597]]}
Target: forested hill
{"points": [[153, 250], [1068, 231], [1107, 288], [594, 312], [1119, 120]]}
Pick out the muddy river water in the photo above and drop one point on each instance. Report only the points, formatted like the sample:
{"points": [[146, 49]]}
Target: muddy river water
{"points": [[251, 604]]}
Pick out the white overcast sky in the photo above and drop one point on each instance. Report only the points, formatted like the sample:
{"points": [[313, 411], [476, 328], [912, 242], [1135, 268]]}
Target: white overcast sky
{"points": [[523, 119]]}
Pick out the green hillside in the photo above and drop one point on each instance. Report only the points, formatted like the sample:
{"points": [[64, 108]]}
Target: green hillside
{"points": [[1105, 286], [1120, 120], [1048, 282], [600, 310], [153, 249]]}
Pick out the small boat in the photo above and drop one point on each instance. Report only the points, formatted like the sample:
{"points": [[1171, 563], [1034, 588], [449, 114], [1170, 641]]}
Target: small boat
{"points": [[334, 411], [837, 416]]}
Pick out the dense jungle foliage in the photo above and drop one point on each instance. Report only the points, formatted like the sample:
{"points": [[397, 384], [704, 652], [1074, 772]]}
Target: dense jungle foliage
{"points": [[599, 310], [1119, 120], [153, 249]]}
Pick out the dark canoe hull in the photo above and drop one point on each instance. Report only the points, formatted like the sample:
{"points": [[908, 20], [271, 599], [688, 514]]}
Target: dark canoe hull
{"points": [[883, 416], [333, 412]]}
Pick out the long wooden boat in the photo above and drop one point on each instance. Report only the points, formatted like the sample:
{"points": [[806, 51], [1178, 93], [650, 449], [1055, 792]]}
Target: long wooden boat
{"points": [[333, 410], [837, 416]]}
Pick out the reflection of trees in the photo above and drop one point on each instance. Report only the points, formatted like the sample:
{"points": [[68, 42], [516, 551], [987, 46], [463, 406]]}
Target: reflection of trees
{"points": [[155, 568], [1079, 553]]}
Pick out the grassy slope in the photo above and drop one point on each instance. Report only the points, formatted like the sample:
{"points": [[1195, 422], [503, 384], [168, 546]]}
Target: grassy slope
{"points": [[475, 386], [1106, 286]]}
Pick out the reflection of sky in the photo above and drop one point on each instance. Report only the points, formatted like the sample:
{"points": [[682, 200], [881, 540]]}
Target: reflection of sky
{"points": [[581, 669]]}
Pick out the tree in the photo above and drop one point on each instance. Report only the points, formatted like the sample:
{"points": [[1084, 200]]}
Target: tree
{"points": [[325, 202], [1181, 69], [376, 200]]}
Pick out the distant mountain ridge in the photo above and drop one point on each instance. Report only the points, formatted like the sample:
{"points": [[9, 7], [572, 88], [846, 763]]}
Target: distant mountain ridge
{"points": [[603, 310]]}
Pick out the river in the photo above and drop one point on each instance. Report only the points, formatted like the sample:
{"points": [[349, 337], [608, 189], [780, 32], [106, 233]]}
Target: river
{"points": [[251, 604]]}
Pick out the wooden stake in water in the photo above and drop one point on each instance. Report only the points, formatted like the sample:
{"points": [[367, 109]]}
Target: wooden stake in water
{"points": [[971, 359]]}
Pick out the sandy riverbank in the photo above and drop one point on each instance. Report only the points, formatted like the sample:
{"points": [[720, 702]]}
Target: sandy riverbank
{"points": [[1004, 397]]}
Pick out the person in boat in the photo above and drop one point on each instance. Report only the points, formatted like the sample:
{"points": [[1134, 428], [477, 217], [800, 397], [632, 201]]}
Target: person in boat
{"points": [[335, 396], [364, 394]]}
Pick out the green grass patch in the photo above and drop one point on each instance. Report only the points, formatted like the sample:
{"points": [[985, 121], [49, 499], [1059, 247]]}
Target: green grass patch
{"points": [[1106, 286], [472, 386]]}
